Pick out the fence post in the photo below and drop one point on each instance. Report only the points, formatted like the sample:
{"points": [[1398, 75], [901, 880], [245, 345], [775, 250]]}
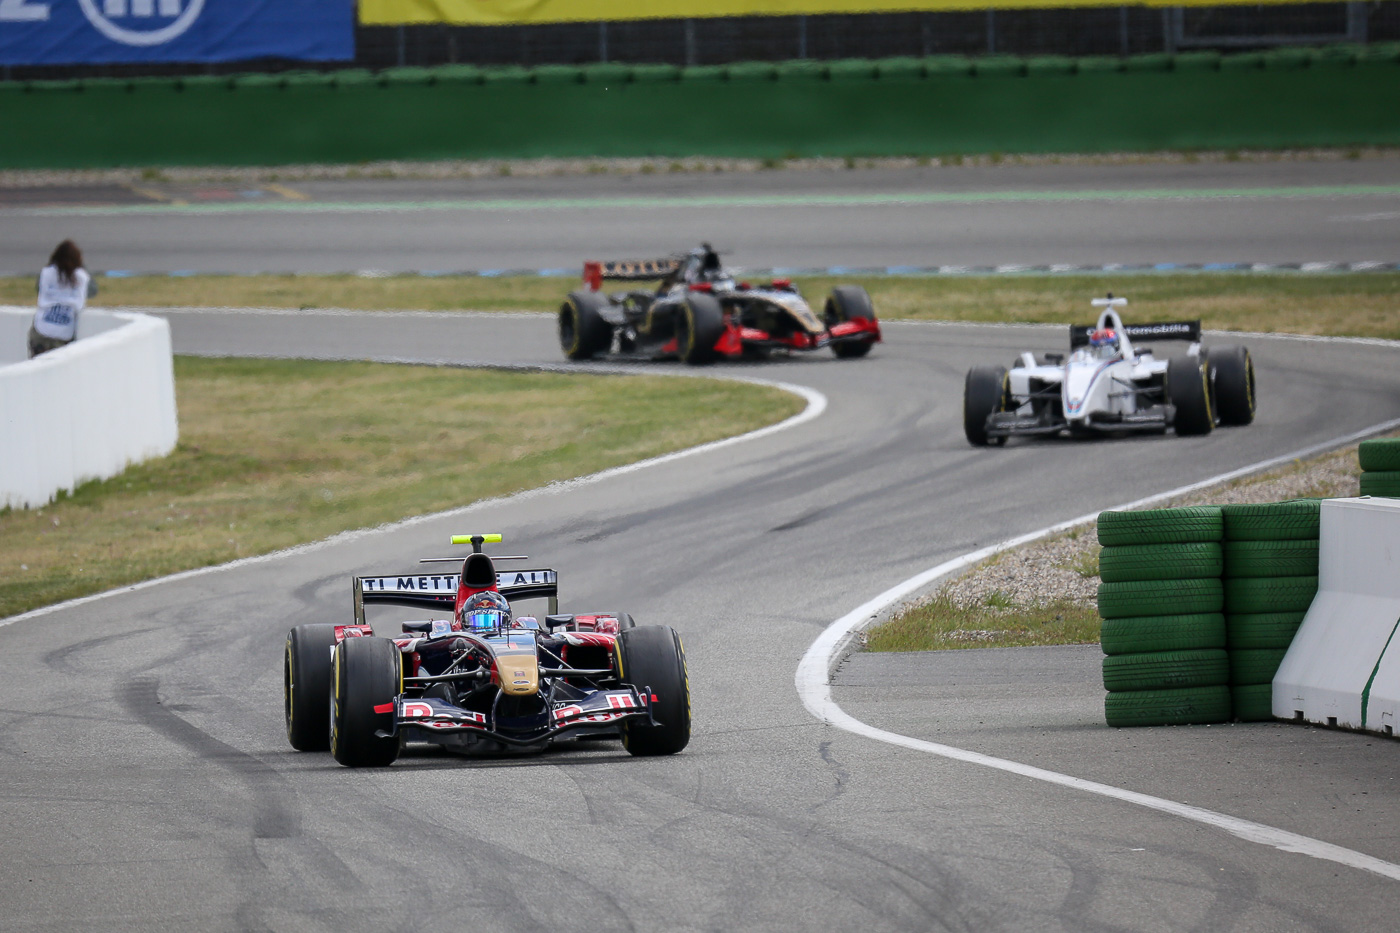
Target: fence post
{"points": [[690, 42]]}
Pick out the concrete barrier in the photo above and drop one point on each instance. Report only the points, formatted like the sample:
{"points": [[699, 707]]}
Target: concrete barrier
{"points": [[85, 411], [1343, 666]]}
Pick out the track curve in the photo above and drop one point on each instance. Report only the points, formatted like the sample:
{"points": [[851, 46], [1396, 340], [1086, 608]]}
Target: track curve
{"points": [[143, 755]]}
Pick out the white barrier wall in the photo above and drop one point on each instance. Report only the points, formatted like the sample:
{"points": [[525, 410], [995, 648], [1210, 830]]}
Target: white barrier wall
{"points": [[85, 411], [1343, 666]]}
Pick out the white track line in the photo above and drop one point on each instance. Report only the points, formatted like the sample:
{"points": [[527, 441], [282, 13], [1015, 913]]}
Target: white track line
{"points": [[816, 405], [813, 682]]}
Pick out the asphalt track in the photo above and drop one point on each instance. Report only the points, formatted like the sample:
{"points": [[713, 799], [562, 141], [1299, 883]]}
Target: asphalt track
{"points": [[1208, 212], [148, 784]]}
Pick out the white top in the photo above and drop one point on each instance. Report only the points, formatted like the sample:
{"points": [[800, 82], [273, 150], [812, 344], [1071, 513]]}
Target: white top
{"points": [[60, 304]]}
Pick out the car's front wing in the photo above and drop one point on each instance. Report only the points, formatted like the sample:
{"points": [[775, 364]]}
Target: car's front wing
{"points": [[434, 716]]}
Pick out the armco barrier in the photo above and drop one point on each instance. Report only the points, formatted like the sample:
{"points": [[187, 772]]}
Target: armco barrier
{"points": [[85, 411], [903, 107], [1343, 666]]}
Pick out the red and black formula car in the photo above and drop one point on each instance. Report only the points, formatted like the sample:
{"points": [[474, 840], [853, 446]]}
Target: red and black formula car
{"points": [[477, 676], [699, 313]]}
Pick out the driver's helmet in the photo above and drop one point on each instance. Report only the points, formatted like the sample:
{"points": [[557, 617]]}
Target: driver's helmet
{"points": [[487, 611], [1104, 341]]}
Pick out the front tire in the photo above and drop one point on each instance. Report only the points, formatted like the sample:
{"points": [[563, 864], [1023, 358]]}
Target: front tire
{"points": [[306, 686], [849, 303], [1233, 381], [651, 656], [984, 393], [699, 326], [1188, 388], [583, 333], [368, 673]]}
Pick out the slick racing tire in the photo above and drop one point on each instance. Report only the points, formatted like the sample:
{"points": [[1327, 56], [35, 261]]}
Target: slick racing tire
{"points": [[1160, 526], [1295, 557], [1141, 634], [1188, 388], [1159, 597], [1178, 707], [1379, 454], [1269, 594], [306, 686], [1161, 670], [625, 621], [583, 333], [1383, 483], [1262, 629], [651, 656], [699, 325], [1232, 379], [849, 303], [985, 392], [1125, 563], [1290, 520], [368, 676]]}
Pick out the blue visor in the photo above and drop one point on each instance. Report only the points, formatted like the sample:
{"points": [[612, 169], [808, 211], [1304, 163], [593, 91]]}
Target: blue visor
{"points": [[484, 620]]}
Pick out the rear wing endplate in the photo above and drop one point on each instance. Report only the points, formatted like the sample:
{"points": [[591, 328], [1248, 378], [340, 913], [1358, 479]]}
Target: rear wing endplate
{"points": [[439, 590], [1164, 330]]}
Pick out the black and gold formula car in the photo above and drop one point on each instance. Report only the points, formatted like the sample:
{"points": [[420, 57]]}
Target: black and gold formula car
{"points": [[699, 313]]}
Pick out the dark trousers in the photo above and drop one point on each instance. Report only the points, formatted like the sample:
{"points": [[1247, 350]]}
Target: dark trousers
{"points": [[38, 343]]}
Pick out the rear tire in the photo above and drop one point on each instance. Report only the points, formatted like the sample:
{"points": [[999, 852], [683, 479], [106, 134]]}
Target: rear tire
{"points": [[699, 325], [306, 686], [849, 303], [1188, 389], [1232, 373], [984, 393], [652, 656], [583, 333], [368, 673]]}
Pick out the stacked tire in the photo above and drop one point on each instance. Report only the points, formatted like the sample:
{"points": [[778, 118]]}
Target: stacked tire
{"points": [[1163, 631], [1380, 467], [1270, 576]]}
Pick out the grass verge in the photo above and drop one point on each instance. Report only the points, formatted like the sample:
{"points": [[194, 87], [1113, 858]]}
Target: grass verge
{"points": [[1364, 304], [278, 453]]}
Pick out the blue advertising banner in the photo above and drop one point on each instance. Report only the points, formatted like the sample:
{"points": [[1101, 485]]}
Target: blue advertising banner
{"points": [[92, 32]]}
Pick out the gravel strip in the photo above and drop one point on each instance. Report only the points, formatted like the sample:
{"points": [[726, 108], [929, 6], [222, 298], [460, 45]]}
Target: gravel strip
{"points": [[1044, 572], [537, 168]]}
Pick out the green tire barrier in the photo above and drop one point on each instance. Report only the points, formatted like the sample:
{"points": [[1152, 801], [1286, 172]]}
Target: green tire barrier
{"points": [[1262, 629], [1244, 595], [855, 108], [1160, 526], [1253, 702], [1287, 558], [1255, 665], [1381, 483], [1125, 563], [1181, 706], [1138, 635], [1380, 454], [1159, 597], [1159, 670], [1273, 521]]}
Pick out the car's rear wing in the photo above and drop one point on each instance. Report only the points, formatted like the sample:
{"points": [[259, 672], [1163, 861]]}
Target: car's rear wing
{"points": [[439, 590], [628, 270], [1164, 330]]}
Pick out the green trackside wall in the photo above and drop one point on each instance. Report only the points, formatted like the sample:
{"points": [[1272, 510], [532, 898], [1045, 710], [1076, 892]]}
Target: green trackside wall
{"points": [[1324, 97]]}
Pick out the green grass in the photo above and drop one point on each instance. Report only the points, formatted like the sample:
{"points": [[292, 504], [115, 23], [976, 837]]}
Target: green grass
{"points": [[1363, 304], [278, 453], [998, 623]]}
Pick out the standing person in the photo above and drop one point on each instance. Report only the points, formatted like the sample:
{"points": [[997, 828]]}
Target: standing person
{"points": [[63, 291]]}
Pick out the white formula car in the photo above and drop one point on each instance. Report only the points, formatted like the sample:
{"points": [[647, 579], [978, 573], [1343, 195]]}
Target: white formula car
{"points": [[1109, 384]]}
